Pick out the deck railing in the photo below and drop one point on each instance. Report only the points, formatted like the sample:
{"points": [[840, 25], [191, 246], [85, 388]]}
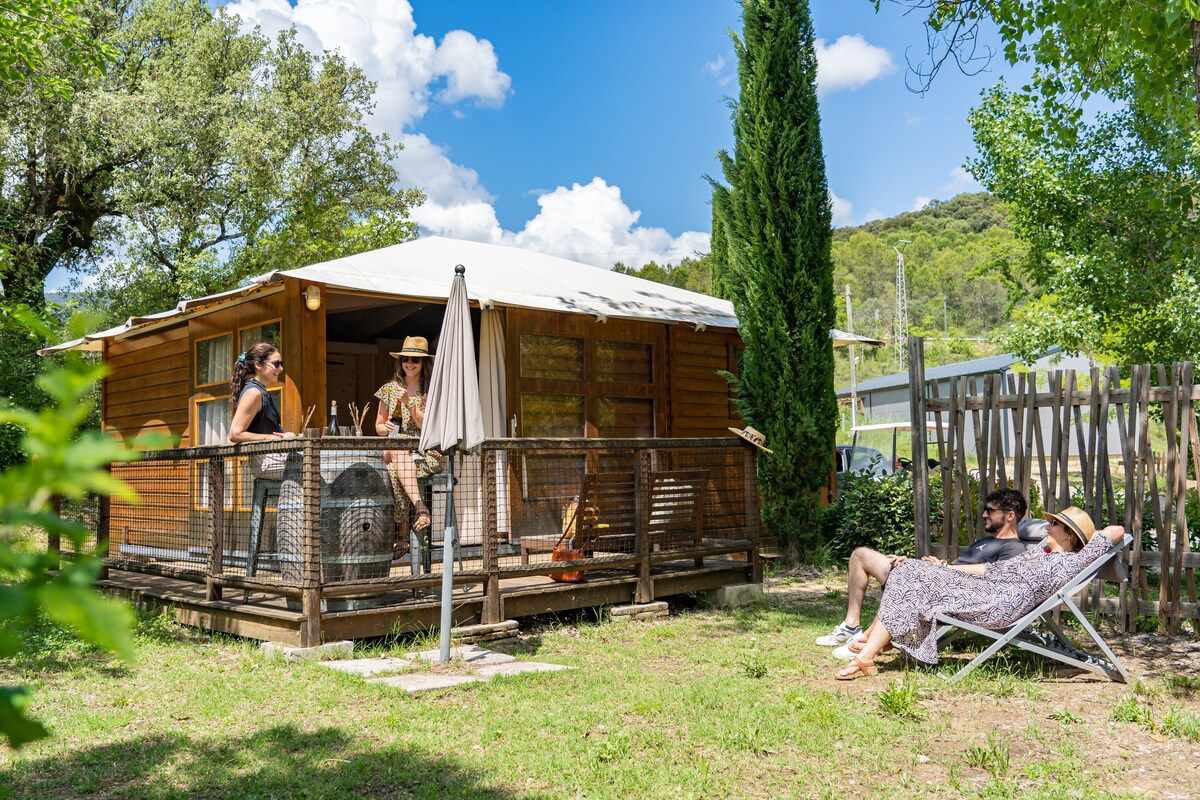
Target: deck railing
{"points": [[330, 536]]}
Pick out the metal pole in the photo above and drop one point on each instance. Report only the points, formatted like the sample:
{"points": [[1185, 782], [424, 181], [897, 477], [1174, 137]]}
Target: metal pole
{"points": [[449, 542], [853, 381]]}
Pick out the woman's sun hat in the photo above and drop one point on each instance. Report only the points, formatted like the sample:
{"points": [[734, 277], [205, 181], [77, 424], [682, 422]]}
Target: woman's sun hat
{"points": [[413, 346], [753, 437], [1077, 521]]}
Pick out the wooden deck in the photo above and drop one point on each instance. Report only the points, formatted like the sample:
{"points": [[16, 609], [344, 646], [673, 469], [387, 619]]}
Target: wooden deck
{"points": [[269, 617]]}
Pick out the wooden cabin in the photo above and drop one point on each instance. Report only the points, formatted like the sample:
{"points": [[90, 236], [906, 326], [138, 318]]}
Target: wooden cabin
{"points": [[565, 351]]}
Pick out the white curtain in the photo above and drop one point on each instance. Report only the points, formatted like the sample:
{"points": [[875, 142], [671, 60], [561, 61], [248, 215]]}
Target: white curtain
{"points": [[492, 387]]}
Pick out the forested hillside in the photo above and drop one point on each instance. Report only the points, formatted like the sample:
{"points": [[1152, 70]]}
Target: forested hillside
{"points": [[957, 290]]}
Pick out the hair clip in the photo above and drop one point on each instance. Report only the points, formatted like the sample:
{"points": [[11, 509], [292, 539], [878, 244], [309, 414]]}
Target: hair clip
{"points": [[242, 358]]}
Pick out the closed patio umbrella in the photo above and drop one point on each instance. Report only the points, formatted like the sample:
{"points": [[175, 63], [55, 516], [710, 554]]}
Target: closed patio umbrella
{"points": [[453, 420]]}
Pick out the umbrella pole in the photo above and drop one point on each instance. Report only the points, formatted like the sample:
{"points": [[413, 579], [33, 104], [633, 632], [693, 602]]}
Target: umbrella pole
{"points": [[449, 542]]}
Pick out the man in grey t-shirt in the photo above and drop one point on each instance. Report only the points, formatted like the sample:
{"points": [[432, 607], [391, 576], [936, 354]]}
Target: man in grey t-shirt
{"points": [[1003, 509]]}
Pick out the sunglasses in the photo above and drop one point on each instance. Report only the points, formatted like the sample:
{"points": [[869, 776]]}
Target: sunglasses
{"points": [[991, 510], [276, 364], [410, 359]]}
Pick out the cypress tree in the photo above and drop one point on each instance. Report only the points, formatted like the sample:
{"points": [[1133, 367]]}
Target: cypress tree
{"points": [[775, 225]]}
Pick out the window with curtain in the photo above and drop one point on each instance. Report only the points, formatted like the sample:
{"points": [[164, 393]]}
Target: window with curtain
{"points": [[214, 360]]}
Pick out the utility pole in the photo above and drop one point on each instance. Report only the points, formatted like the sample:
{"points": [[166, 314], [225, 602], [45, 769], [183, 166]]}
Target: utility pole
{"points": [[900, 320], [853, 382]]}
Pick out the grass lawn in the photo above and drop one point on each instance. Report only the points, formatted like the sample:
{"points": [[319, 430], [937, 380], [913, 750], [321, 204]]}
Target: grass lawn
{"points": [[709, 703]]}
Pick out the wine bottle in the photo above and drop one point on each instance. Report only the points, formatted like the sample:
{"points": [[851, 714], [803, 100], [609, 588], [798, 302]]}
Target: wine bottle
{"points": [[333, 419]]}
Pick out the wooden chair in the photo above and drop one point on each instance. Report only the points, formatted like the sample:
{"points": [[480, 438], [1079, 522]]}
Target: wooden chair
{"points": [[1054, 643], [604, 520], [677, 500]]}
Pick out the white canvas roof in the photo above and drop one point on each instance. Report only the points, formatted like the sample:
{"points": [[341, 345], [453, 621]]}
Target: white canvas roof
{"points": [[496, 275]]}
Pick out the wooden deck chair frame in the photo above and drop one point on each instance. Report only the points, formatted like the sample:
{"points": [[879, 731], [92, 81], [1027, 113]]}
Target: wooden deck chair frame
{"points": [[1055, 644]]}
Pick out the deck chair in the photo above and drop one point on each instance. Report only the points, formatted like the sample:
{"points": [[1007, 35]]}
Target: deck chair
{"points": [[1053, 643]]}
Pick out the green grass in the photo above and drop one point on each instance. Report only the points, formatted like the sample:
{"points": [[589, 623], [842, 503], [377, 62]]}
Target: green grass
{"points": [[707, 704]]}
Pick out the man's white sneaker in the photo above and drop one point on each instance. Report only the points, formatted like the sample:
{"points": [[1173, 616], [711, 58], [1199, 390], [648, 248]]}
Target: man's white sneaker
{"points": [[841, 634]]}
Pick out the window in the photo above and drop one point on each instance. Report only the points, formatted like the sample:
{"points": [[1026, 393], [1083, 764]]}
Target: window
{"points": [[267, 332], [554, 358], [214, 360], [624, 362]]}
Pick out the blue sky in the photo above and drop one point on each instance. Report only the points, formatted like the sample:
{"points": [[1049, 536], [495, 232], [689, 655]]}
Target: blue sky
{"points": [[586, 129]]}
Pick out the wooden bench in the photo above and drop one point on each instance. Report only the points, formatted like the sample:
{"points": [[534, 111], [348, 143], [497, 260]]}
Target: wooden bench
{"points": [[605, 521]]}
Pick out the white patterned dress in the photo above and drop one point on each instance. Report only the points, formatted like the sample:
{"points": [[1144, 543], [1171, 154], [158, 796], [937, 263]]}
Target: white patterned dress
{"points": [[916, 591]]}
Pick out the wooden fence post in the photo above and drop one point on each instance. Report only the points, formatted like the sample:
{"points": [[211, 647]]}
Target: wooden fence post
{"points": [[310, 548], [920, 466], [641, 502], [216, 527], [491, 556]]}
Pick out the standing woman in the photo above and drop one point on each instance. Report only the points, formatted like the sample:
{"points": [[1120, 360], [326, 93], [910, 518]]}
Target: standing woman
{"points": [[402, 413], [255, 417]]}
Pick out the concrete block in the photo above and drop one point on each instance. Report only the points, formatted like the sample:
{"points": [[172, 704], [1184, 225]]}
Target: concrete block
{"points": [[475, 656], [493, 632], [368, 667], [519, 668], [322, 652], [640, 612], [424, 681], [742, 594]]}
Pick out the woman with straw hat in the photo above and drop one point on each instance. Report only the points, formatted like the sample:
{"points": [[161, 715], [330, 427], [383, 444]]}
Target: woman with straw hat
{"points": [[402, 413], [989, 595]]}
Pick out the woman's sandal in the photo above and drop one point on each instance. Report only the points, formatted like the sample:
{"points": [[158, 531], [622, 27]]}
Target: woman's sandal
{"points": [[422, 522], [862, 669]]}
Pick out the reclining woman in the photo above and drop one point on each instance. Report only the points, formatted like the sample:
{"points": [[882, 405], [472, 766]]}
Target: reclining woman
{"points": [[402, 413], [989, 595]]}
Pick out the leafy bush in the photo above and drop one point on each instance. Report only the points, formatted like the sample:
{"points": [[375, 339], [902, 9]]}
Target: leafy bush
{"points": [[871, 511]]}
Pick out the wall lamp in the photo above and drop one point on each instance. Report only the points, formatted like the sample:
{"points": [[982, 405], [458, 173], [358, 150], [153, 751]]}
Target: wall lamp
{"points": [[312, 298]]}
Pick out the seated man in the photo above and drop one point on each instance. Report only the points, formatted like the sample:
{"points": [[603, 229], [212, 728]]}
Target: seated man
{"points": [[1002, 510]]}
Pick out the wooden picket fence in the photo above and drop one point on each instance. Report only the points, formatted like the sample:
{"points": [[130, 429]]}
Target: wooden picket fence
{"points": [[1048, 435]]}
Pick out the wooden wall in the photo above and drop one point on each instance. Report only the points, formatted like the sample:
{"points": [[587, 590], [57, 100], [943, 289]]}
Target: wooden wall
{"points": [[701, 403], [148, 385]]}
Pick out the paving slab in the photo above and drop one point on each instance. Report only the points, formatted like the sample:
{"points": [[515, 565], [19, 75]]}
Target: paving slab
{"points": [[424, 681], [519, 668], [476, 656], [367, 667], [321, 652]]}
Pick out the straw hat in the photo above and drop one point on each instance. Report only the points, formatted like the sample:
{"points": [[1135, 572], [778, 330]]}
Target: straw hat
{"points": [[1077, 521], [413, 346], [753, 437]]}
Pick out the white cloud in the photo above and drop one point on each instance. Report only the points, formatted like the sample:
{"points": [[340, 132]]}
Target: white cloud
{"points": [[716, 68], [871, 216], [843, 211], [920, 201], [589, 223], [850, 63], [960, 181], [380, 37]]}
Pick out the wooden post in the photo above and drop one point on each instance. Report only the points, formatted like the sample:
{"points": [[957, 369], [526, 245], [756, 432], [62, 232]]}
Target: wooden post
{"points": [[310, 548], [641, 516], [103, 523], [216, 526], [750, 492], [920, 466], [492, 612], [53, 540]]}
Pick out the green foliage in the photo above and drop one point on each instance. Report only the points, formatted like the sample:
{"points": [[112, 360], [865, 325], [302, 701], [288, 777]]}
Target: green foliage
{"points": [[901, 700], [61, 461], [1128, 709], [28, 28], [775, 215], [993, 757], [204, 155], [875, 512], [955, 270]]}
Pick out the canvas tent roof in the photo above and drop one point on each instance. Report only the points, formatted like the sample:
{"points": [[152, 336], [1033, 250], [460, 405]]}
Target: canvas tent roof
{"points": [[497, 275]]}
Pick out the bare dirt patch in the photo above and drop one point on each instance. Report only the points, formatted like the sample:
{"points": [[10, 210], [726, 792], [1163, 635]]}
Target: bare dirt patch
{"points": [[1062, 710]]}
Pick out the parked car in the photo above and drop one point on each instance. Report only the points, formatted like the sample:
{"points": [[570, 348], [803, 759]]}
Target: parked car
{"points": [[857, 459]]}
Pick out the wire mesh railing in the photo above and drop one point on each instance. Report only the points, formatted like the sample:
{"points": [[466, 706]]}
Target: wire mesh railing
{"points": [[354, 519]]}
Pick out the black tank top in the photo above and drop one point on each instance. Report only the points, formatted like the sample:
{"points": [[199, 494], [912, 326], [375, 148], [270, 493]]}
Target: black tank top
{"points": [[267, 418]]}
